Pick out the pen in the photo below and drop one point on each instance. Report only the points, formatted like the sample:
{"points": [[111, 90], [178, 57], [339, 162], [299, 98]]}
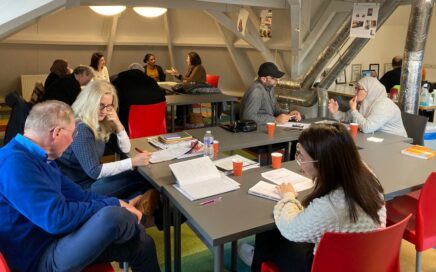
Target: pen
{"points": [[210, 201], [139, 150]]}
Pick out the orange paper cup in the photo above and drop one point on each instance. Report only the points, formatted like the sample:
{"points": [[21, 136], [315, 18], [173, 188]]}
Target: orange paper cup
{"points": [[353, 128], [237, 168], [276, 159], [270, 128], [215, 147]]}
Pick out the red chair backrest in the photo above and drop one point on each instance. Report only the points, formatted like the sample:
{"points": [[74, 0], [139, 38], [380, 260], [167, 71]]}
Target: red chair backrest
{"points": [[212, 80], [369, 251], [3, 264], [426, 217], [147, 120]]}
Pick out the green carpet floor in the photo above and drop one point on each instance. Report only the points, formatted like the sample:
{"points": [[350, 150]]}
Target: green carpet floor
{"points": [[195, 255]]}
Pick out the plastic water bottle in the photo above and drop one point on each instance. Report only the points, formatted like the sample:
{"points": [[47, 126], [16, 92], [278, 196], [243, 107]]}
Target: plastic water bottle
{"points": [[208, 144], [424, 97]]}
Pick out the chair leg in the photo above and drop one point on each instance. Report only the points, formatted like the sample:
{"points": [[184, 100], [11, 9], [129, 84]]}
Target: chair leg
{"points": [[418, 261]]}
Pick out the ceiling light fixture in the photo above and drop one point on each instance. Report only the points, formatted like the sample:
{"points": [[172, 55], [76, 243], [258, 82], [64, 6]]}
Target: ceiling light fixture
{"points": [[149, 11], [108, 10]]}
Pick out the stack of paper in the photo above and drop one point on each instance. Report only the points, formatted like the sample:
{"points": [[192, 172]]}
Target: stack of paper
{"points": [[199, 178], [178, 150], [279, 176], [295, 125], [226, 164]]}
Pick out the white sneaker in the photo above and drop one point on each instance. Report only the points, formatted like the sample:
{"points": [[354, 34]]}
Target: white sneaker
{"points": [[246, 252]]}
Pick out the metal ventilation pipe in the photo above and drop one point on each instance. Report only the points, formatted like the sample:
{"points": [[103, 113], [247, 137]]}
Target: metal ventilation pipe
{"points": [[416, 39], [321, 61], [356, 46]]}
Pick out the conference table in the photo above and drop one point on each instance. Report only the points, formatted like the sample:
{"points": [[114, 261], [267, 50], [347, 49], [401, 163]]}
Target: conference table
{"points": [[159, 174], [189, 99], [239, 214]]}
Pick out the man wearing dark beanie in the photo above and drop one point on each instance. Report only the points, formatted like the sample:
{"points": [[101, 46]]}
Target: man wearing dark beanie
{"points": [[259, 102]]}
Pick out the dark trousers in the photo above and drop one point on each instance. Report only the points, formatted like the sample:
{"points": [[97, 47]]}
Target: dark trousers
{"points": [[288, 256], [112, 234]]}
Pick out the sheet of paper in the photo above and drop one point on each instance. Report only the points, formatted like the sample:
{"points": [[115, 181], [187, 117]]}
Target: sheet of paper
{"points": [[174, 151], [374, 139], [330, 122], [227, 163], [296, 125], [168, 154], [279, 176]]}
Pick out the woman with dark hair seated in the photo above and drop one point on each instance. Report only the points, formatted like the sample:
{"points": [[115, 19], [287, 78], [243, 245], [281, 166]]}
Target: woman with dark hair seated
{"points": [[152, 69], [347, 197], [195, 73], [98, 64]]}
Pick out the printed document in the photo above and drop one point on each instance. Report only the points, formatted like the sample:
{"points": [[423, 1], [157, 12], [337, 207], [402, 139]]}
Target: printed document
{"points": [[295, 125], [226, 164]]}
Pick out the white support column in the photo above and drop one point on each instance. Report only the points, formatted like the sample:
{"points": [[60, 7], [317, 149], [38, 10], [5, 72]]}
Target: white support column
{"points": [[167, 24], [111, 40], [295, 20]]}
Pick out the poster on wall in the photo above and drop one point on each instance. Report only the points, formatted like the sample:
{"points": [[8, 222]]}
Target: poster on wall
{"points": [[364, 20], [265, 28], [241, 24]]}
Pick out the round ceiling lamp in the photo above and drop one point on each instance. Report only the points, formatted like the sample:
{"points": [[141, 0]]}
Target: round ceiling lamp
{"points": [[149, 11], [108, 10]]}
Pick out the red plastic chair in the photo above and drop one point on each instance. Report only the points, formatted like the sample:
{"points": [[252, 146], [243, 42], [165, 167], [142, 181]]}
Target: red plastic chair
{"points": [[368, 251], [357, 252], [421, 230], [103, 267], [3, 265], [212, 80], [147, 120]]}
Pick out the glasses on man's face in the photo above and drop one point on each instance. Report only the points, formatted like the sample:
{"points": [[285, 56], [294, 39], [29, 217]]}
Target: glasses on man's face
{"points": [[108, 107], [300, 159], [73, 133]]}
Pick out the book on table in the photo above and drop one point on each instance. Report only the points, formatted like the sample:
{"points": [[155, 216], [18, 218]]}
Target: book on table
{"points": [[175, 137], [419, 151], [199, 178], [279, 176]]}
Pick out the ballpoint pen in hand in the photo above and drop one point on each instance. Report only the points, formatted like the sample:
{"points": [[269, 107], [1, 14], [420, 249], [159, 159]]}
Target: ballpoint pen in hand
{"points": [[211, 201]]}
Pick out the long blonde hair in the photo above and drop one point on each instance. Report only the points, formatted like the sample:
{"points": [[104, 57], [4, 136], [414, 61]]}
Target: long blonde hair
{"points": [[86, 107]]}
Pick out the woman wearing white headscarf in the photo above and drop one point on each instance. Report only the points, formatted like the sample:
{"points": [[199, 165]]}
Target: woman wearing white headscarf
{"points": [[371, 109]]}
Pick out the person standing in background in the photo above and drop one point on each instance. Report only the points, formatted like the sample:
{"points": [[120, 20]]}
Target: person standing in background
{"points": [[392, 77], [152, 69], [98, 63]]}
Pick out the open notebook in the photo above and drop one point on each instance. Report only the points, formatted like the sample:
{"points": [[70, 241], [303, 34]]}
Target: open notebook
{"points": [[199, 178]]}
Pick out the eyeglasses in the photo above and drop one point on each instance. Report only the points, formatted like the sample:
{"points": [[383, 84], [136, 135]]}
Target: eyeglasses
{"points": [[358, 88], [299, 158], [73, 133], [107, 107]]}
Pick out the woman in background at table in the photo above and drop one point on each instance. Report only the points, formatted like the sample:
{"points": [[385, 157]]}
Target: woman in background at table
{"points": [[347, 197], [98, 63], [371, 109], [195, 73], [96, 119], [152, 69]]}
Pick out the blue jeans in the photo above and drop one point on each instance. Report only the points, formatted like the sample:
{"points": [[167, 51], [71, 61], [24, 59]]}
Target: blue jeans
{"points": [[124, 185], [112, 234]]}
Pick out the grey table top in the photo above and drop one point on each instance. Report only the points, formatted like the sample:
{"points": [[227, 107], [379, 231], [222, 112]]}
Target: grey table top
{"points": [[239, 214], [233, 141], [189, 99]]}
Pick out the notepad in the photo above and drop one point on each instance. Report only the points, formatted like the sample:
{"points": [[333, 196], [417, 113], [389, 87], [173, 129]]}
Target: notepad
{"points": [[199, 178], [283, 175], [265, 190], [419, 151], [226, 164]]}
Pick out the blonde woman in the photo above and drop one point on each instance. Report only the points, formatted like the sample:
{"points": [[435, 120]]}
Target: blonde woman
{"points": [[96, 119]]}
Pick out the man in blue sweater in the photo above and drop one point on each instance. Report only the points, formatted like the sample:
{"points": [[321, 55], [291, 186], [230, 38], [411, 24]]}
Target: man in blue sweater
{"points": [[47, 222]]}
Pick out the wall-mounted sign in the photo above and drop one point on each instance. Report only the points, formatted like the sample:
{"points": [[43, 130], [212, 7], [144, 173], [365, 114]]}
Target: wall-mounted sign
{"points": [[364, 20], [265, 28]]}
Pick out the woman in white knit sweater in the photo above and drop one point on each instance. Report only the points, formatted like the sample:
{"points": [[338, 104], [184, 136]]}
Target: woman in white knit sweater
{"points": [[347, 197]]}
